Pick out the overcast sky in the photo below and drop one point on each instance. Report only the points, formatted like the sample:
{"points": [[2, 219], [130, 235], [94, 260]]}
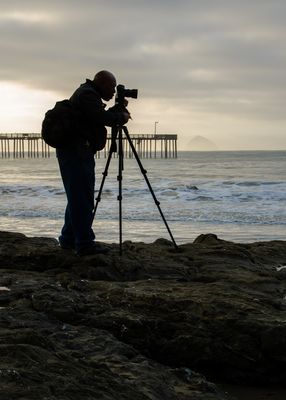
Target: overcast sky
{"points": [[214, 68]]}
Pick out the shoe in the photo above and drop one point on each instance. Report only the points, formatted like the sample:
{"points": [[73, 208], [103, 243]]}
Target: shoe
{"points": [[93, 249], [66, 246]]}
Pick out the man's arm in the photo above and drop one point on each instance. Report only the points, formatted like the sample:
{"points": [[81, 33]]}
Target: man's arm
{"points": [[92, 107]]}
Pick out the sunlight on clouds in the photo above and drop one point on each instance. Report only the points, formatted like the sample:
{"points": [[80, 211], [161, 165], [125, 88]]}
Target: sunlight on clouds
{"points": [[150, 48], [206, 75], [29, 17], [179, 46], [22, 109]]}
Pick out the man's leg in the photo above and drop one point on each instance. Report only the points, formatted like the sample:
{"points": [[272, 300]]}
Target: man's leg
{"points": [[67, 239], [79, 180]]}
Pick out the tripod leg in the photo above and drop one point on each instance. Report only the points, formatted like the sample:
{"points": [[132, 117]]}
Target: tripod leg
{"points": [[105, 173], [144, 172], [119, 178]]}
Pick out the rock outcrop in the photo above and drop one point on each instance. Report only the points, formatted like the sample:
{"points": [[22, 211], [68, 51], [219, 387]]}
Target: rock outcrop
{"points": [[147, 325]]}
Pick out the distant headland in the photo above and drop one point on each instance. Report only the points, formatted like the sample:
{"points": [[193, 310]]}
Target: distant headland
{"points": [[201, 143]]}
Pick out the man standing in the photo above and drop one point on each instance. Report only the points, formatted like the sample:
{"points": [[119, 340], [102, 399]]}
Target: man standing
{"points": [[77, 164]]}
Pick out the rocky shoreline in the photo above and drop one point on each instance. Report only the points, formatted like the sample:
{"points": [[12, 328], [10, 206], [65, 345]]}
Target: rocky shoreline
{"points": [[151, 324]]}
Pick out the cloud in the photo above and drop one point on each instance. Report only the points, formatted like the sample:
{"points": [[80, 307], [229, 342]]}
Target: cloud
{"points": [[218, 57]]}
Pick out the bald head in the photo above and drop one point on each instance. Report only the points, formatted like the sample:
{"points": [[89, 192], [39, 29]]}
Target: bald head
{"points": [[105, 82]]}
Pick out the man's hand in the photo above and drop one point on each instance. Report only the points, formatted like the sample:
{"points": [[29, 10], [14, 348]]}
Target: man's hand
{"points": [[123, 115]]}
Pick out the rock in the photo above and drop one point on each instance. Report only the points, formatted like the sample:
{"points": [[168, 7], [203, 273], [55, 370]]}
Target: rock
{"points": [[201, 143], [149, 324]]}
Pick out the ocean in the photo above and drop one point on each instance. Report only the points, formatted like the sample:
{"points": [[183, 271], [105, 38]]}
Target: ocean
{"points": [[237, 195]]}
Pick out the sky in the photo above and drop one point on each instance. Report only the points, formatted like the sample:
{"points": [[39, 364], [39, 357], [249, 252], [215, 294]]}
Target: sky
{"points": [[211, 68]]}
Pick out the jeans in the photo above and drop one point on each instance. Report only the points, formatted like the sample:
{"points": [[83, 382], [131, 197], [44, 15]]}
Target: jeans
{"points": [[77, 167]]}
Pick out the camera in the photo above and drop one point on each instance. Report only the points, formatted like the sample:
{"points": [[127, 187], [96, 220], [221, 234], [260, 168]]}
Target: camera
{"points": [[122, 93]]}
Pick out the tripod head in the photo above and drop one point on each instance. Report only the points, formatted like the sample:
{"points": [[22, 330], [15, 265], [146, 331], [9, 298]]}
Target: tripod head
{"points": [[120, 106]]}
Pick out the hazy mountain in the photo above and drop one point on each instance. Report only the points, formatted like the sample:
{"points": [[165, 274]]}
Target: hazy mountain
{"points": [[201, 143]]}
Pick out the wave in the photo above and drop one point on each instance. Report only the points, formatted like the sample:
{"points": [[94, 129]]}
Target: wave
{"points": [[252, 183], [207, 201], [25, 190], [155, 216], [249, 183], [212, 192]]}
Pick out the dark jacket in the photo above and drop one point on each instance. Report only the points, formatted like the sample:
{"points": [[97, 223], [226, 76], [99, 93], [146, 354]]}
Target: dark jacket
{"points": [[87, 100]]}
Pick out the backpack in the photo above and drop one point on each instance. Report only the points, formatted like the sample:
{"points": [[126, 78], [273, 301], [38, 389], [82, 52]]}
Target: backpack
{"points": [[64, 122], [60, 124]]}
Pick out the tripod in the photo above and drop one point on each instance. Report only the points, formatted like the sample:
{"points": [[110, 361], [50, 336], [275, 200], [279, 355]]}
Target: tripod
{"points": [[117, 131]]}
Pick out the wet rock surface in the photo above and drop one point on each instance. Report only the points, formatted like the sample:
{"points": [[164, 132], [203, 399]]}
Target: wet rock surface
{"points": [[150, 324]]}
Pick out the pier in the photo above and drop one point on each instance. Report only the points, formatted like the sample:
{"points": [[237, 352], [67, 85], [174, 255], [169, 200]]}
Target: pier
{"points": [[31, 145]]}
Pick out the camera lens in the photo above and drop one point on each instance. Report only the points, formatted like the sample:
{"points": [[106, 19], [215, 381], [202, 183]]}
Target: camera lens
{"points": [[133, 93]]}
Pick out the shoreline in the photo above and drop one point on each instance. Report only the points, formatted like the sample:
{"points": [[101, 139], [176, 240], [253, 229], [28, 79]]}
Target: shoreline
{"points": [[149, 231]]}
